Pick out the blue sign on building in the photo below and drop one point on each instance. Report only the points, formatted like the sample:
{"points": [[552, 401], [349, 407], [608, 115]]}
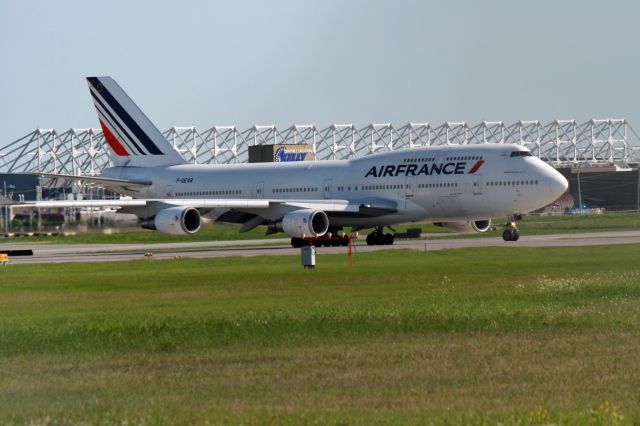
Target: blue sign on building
{"points": [[283, 155]]}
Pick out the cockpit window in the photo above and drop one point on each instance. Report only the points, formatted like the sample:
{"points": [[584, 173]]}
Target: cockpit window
{"points": [[520, 154]]}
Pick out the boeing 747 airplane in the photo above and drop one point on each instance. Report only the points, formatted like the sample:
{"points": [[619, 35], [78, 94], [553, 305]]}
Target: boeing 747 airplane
{"points": [[461, 187]]}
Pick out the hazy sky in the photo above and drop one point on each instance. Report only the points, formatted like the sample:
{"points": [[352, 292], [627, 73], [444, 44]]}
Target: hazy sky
{"points": [[210, 63]]}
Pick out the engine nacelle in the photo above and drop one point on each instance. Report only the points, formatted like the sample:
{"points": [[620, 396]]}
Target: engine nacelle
{"points": [[472, 225], [175, 221], [304, 223]]}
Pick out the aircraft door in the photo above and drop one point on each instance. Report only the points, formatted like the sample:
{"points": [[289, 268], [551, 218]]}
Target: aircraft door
{"points": [[409, 183], [327, 188], [442, 156], [477, 184], [259, 190]]}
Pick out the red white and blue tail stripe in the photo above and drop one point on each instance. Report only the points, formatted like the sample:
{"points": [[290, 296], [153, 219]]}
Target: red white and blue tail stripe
{"points": [[133, 139]]}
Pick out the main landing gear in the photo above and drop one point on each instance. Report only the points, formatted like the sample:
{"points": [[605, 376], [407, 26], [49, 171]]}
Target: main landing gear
{"points": [[379, 238], [330, 239], [511, 232]]}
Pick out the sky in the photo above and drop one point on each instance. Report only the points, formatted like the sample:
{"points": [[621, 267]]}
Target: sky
{"points": [[287, 62]]}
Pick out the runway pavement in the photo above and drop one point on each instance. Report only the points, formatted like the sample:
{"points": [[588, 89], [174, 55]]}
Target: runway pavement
{"points": [[57, 253]]}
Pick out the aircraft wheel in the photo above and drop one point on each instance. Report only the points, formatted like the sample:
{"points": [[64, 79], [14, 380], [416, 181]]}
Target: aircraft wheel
{"points": [[510, 235], [388, 239], [370, 239], [297, 242]]}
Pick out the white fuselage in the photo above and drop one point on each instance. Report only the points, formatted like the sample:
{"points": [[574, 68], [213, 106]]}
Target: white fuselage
{"points": [[445, 183]]}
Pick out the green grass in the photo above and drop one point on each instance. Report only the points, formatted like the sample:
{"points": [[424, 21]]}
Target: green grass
{"points": [[530, 225], [535, 225], [564, 224], [510, 335]]}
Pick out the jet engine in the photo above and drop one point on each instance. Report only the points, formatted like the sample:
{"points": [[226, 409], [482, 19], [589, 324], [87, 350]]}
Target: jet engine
{"points": [[303, 223], [472, 225], [175, 221]]}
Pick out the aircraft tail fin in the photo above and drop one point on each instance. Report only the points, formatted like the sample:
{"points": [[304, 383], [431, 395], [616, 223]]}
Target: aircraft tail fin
{"points": [[134, 141]]}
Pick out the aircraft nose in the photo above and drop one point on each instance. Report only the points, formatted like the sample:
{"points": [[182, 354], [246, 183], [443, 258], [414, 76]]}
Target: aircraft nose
{"points": [[558, 184]]}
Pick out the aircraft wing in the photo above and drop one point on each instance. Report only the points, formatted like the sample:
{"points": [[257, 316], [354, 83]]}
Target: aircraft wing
{"points": [[362, 206], [248, 212], [267, 208], [366, 207]]}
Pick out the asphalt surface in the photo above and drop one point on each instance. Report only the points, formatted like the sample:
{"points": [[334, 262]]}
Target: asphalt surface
{"points": [[58, 253]]}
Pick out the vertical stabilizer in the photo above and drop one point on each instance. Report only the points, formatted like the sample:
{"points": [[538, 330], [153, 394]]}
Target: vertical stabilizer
{"points": [[134, 141]]}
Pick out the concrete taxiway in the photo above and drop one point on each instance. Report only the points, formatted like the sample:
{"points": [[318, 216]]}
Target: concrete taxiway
{"points": [[58, 253]]}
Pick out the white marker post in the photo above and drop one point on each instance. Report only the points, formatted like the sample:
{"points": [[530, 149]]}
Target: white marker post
{"points": [[308, 256]]}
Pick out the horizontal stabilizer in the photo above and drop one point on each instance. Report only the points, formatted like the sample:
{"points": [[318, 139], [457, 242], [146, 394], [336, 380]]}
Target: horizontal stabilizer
{"points": [[94, 179]]}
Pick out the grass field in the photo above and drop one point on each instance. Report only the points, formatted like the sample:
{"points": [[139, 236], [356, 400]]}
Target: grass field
{"points": [[473, 336], [530, 225]]}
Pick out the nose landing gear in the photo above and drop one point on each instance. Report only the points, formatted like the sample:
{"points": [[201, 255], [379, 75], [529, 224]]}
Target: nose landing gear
{"points": [[510, 235], [511, 232]]}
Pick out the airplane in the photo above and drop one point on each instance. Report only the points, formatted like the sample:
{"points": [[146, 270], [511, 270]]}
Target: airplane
{"points": [[460, 187]]}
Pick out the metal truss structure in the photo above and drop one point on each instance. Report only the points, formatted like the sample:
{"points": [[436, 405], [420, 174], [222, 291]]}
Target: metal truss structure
{"points": [[560, 143]]}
